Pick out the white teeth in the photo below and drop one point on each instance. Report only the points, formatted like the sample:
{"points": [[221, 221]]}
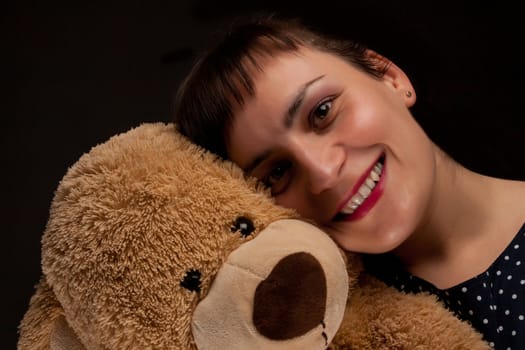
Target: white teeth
{"points": [[364, 191], [357, 199]]}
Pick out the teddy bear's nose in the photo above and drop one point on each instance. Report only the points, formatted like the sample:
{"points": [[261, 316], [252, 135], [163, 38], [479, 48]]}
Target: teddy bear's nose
{"points": [[292, 299]]}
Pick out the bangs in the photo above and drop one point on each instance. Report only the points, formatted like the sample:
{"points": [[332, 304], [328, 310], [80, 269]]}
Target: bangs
{"points": [[222, 80]]}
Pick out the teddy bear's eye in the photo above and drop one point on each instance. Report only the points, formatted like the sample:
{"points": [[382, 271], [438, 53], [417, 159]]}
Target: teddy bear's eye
{"points": [[243, 225], [192, 280]]}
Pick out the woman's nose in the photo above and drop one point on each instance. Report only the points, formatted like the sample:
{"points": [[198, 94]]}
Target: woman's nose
{"points": [[322, 166]]}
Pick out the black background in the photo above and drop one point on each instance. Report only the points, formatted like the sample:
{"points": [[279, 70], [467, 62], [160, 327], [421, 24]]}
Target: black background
{"points": [[76, 73]]}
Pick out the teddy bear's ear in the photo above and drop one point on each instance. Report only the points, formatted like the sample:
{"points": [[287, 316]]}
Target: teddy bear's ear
{"points": [[44, 325]]}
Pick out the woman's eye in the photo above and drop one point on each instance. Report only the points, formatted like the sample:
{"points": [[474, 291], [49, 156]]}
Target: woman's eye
{"points": [[277, 178], [320, 115]]}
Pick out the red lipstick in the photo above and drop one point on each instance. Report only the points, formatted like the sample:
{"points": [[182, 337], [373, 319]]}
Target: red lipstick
{"points": [[369, 202]]}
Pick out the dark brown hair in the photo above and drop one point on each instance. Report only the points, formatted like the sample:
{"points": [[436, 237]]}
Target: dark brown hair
{"points": [[221, 79]]}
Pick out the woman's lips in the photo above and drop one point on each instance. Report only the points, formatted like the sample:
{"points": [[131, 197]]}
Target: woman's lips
{"points": [[365, 193]]}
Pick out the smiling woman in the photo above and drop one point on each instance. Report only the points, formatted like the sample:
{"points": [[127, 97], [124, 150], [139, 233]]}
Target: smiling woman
{"points": [[327, 125]]}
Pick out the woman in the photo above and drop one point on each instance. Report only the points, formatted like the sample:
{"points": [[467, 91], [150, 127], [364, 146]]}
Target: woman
{"points": [[327, 126]]}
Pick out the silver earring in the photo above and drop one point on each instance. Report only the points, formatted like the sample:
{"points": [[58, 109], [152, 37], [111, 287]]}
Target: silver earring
{"points": [[408, 93]]}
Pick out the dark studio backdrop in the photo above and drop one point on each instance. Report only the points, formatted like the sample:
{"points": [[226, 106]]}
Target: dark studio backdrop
{"points": [[76, 73]]}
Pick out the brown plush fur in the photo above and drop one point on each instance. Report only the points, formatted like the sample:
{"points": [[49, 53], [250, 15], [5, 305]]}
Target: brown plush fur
{"points": [[138, 213]]}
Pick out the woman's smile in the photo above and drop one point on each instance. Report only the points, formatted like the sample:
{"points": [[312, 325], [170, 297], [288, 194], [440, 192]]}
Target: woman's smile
{"points": [[365, 193]]}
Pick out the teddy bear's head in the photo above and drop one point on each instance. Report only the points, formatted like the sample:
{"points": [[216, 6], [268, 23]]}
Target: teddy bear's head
{"points": [[153, 243]]}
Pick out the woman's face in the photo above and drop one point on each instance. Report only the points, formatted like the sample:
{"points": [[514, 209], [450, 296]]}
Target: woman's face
{"points": [[339, 146]]}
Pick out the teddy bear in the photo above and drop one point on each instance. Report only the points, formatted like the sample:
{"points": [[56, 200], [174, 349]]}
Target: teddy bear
{"points": [[155, 243]]}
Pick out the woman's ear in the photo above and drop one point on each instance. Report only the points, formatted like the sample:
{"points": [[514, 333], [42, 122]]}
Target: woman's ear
{"points": [[394, 77]]}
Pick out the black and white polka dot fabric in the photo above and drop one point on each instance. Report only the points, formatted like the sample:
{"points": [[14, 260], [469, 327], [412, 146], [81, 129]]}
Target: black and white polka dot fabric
{"points": [[493, 302]]}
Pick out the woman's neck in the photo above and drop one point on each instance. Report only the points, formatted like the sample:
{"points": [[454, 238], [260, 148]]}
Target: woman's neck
{"points": [[471, 219]]}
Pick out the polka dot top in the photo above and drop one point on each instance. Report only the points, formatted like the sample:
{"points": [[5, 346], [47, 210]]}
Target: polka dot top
{"points": [[493, 302]]}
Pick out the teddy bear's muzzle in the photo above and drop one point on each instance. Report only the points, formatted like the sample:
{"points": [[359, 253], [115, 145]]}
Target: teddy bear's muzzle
{"points": [[285, 289]]}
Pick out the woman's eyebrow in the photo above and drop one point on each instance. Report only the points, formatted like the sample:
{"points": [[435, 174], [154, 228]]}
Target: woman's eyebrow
{"points": [[297, 101]]}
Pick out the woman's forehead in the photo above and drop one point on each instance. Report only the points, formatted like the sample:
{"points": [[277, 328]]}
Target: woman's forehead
{"points": [[291, 70]]}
